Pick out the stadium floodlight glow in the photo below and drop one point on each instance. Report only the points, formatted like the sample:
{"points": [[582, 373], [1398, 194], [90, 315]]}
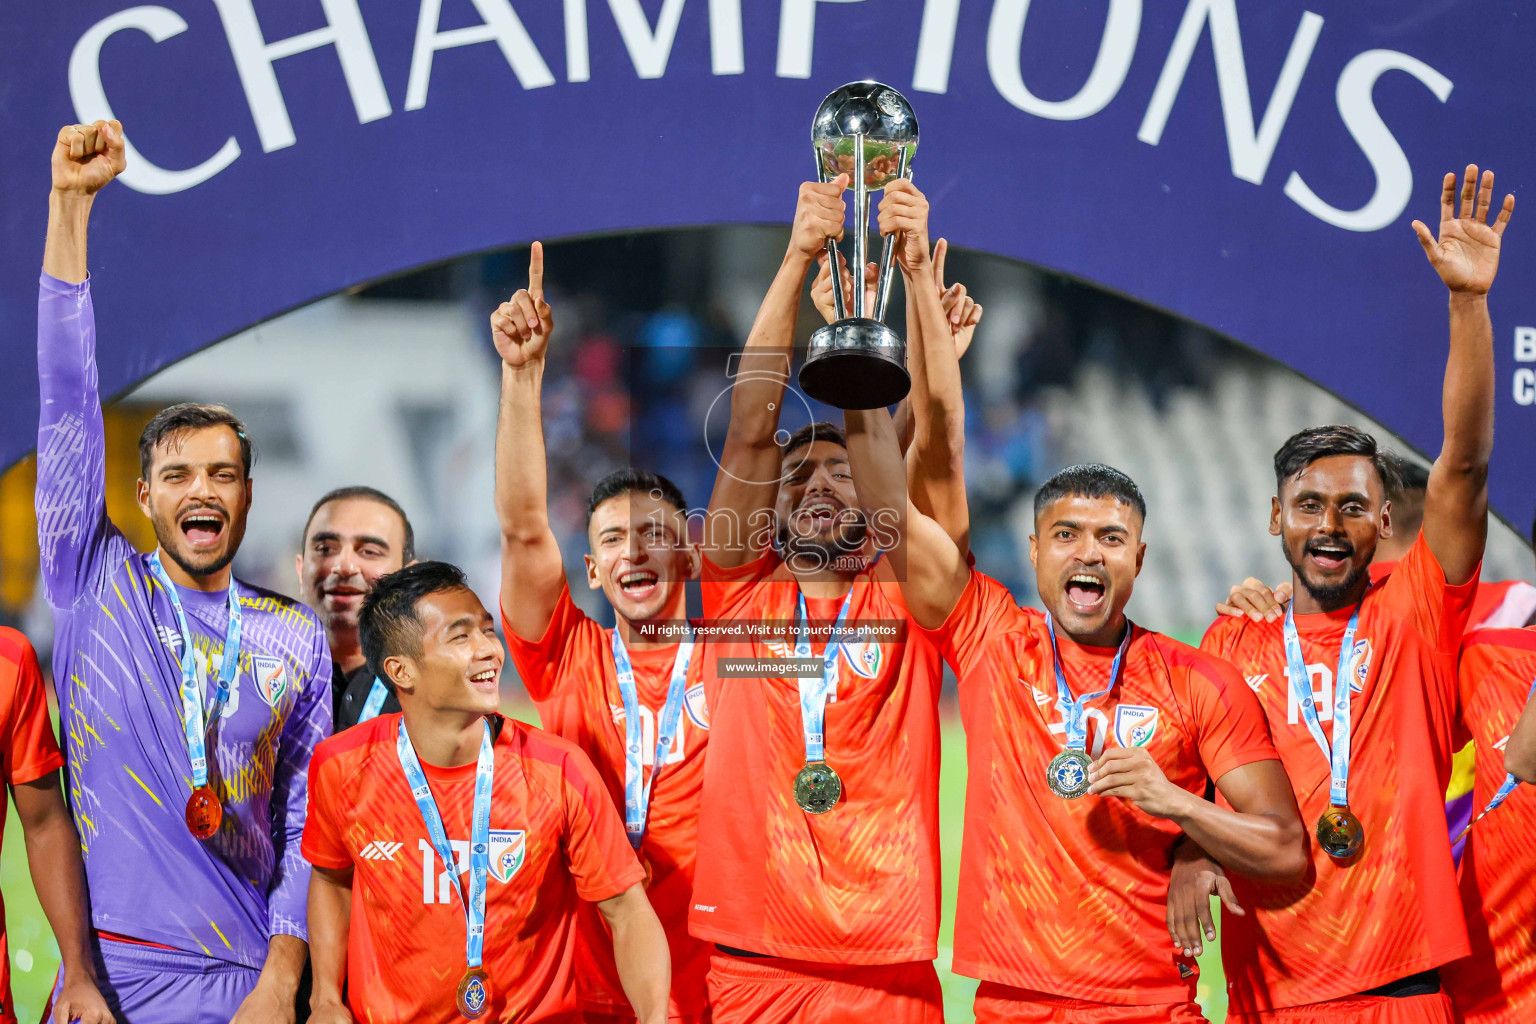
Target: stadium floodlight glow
{"points": [[869, 131]]}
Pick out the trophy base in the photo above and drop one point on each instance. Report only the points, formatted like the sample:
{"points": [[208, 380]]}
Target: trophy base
{"points": [[856, 363]]}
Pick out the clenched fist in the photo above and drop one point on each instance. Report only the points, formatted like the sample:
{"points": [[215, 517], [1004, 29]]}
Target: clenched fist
{"points": [[521, 326], [904, 213], [88, 156], [818, 216]]}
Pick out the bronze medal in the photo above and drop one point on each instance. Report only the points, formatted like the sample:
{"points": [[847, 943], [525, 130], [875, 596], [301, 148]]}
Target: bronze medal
{"points": [[1067, 774], [204, 812], [474, 996], [1340, 833], [817, 787]]}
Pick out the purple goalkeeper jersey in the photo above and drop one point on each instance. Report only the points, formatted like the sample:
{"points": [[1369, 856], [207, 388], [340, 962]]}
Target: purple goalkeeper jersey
{"points": [[117, 669]]}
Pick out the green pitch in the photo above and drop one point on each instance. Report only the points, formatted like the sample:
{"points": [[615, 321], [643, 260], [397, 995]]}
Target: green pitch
{"points": [[35, 956]]}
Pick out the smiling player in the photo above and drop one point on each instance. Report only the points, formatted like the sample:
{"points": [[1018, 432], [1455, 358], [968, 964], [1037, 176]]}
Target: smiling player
{"points": [[1358, 682], [632, 698], [452, 846], [191, 700]]}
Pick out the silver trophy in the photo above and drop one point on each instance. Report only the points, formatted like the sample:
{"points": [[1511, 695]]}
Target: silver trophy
{"points": [[868, 131]]}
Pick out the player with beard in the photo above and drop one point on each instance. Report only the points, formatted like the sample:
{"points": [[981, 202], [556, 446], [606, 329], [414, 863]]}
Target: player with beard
{"points": [[1358, 682], [1090, 743], [354, 535], [191, 700], [513, 828], [632, 698], [818, 866]]}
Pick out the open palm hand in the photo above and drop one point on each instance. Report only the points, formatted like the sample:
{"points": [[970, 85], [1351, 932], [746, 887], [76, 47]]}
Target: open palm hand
{"points": [[1466, 255]]}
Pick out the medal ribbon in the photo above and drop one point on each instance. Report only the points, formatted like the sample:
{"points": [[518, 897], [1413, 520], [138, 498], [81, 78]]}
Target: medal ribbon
{"points": [[1301, 687], [1072, 710], [1509, 785], [813, 692], [375, 702], [479, 836], [193, 718], [637, 796]]}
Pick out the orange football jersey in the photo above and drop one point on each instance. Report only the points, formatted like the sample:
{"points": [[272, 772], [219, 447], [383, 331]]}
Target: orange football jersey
{"points": [[555, 840], [1068, 897], [570, 674], [1497, 983], [860, 883], [1392, 911], [28, 750]]}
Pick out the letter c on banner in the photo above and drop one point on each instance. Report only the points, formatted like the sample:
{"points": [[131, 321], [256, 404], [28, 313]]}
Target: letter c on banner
{"points": [[90, 99]]}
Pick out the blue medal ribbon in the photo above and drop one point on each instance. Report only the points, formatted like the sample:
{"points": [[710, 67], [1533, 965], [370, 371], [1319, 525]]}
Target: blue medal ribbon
{"points": [[637, 794], [1072, 709], [814, 691], [479, 836], [193, 719], [1300, 682], [375, 702], [1509, 785]]}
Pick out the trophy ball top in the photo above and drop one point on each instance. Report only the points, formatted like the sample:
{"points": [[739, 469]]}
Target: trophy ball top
{"points": [[877, 112]]}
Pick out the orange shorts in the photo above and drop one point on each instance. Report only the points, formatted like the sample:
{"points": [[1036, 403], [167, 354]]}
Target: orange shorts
{"points": [[1003, 1004], [1433, 1008], [774, 990]]}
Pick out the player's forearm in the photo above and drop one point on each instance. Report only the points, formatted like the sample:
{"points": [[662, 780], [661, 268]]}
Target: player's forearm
{"points": [[1456, 504], [1265, 845], [937, 456], [69, 215], [58, 875], [644, 963], [330, 912], [521, 467], [762, 370], [284, 966]]}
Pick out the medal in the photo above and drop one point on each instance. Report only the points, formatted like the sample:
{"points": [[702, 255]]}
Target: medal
{"points": [[474, 993], [1339, 832], [203, 810], [817, 787], [1067, 774], [637, 793]]}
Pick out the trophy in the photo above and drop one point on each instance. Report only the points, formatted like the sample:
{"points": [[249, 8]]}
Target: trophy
{"points": [[869, 131]]}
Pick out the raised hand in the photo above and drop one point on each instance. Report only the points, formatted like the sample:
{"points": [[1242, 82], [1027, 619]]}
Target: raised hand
{"points": [[904, 213], [88, 156], [962, 311], [521, 326], [821, 288], [819, 216], [1466, 255]]}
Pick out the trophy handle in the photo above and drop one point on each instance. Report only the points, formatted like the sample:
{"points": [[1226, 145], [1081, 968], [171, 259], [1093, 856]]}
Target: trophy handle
{"points": [[839, 307], [888, 251]]}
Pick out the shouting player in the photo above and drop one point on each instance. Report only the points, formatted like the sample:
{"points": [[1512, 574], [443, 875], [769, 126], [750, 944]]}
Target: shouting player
{"points": [[1358, 682], [451, 845], [1090, 742], [818, 870], [191, 700], [632, 697], [353, 536]]}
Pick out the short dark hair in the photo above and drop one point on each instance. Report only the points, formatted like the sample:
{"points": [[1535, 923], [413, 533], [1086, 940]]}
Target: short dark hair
{"points": [[358, 491], [631, 481], [174, 419], [1091, 480], [812, 432], [1307, 446], [388, 624]]}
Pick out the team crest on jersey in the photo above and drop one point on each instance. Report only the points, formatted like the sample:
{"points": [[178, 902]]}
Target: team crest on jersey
{"points": [[1360, 665], [863, 657], [696, 706], [1135, 725], [508, 848], [271, 678]]}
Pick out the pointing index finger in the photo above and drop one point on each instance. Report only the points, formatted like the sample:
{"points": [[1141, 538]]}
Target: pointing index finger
{"points": [[536, 270]]}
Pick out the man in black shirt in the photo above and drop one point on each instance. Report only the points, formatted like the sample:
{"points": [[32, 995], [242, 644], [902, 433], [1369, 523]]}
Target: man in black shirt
{"points": [[354, 535]]}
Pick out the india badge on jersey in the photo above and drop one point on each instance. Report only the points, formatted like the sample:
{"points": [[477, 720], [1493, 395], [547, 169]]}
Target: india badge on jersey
{"points": [[508, 847], [1135, 725], [271, 678], [696, 706]]}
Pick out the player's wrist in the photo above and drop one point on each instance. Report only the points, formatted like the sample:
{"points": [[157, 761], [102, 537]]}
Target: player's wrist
{"points": [[1468, 300]]}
